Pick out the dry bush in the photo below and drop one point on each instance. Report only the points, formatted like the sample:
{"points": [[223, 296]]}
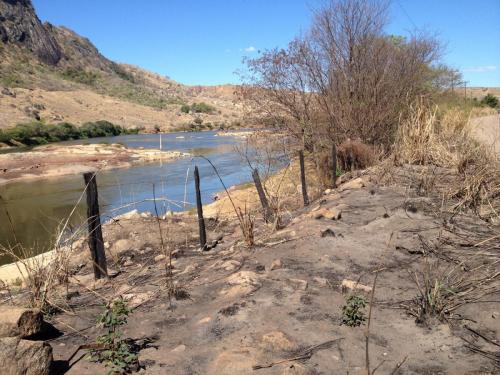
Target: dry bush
{"points": [[355, 155], [445, 287], [482, 111], [40, 273], [344, 78], [445, 140], [247, 221]]}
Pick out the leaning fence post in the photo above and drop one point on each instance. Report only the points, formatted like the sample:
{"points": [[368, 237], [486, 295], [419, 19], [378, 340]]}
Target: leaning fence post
{"points": [[96, 243], [303, 178], [201, 220], [262, 196], [334, 166]]}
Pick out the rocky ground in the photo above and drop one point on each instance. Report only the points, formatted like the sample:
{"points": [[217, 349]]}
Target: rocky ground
{"points": [[275, 308], [59, 160]]}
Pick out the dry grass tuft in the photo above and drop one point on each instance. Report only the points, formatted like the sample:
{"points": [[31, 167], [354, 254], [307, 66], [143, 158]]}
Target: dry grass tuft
{"points": [[443, 288], [428, 139], [40, 273]]}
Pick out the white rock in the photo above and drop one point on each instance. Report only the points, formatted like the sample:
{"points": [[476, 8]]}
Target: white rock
{"points": [[353, 285], [275, 264], [160, 257]]}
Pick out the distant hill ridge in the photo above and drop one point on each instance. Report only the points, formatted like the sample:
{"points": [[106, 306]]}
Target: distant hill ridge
{"points": [[54, 74]]}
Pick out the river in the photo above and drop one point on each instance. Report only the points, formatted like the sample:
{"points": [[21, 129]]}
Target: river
{"points": [[37, 207]]}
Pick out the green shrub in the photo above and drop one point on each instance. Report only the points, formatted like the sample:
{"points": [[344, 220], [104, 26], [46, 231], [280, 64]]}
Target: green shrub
{"points": [[353, 313], [38, 133], [116, 354], [81, 76], [202, 108], [100, 129], [63, 132], [185, 108], [490, 101]]}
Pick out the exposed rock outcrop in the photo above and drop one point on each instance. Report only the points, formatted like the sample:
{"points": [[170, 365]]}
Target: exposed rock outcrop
{"points": [[20, 25], [18, 356], [16, 321]]}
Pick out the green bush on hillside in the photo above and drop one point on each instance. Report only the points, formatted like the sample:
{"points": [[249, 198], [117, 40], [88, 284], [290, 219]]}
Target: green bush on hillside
{"points": [[198, 108], [81, 76], [202, 108]]}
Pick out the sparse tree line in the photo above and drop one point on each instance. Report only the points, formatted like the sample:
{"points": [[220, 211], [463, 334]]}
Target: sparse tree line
{"points": [[38, 133]]}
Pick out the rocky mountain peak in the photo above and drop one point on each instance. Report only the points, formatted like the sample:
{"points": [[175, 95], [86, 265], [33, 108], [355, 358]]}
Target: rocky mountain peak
{"points": [[20, 25]]}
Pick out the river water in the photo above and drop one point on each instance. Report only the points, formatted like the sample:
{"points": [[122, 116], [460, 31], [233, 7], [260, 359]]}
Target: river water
{"points": [[37, 207]]}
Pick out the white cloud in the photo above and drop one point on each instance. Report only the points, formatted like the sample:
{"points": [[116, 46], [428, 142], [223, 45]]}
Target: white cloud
{"points": [[250, 49], [481, 69]]}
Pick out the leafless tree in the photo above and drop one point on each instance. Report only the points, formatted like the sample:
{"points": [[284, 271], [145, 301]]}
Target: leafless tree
{"points": [[345, 78]]}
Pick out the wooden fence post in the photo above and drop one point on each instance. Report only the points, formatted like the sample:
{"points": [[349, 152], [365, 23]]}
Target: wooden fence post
{"points": [[199, 207], [334, 166], [96, 243], [303, 178], [268, 214]]}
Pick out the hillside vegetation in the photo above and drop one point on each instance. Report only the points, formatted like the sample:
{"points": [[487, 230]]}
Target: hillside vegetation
{"points": [[73, 82]]}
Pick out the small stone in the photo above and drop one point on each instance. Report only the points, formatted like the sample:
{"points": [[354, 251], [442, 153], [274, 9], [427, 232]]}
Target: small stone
{"points": [[178, 349], [298, 283], [327, 191], [331, 214], [113, 273], [357, 183], [275, 264], [321, 281], [204, 320], [128, 262], [353, 285], [328, 233], [160, 257]]}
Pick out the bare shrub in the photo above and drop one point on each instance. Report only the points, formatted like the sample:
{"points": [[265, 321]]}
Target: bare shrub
{"points": [[343, 79]]}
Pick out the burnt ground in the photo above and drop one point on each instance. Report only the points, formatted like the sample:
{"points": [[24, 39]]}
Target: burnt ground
{"points": [[282, 298]]}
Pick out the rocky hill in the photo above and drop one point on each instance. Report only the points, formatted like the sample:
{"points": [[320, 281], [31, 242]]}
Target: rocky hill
{"points": [[52, 74]]}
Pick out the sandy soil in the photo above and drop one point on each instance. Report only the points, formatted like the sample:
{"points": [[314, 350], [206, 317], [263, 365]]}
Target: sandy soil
{"points": [[57, 160], [282, 297]]}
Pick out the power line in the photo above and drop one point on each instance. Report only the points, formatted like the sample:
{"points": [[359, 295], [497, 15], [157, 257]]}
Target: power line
{"points": [[406, 14]]}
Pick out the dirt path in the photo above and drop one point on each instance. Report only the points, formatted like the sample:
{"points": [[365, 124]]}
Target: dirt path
{"points": [[277, 300]]}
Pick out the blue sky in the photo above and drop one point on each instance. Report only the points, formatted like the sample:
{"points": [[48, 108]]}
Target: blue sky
{"points": [[203, 42]]}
